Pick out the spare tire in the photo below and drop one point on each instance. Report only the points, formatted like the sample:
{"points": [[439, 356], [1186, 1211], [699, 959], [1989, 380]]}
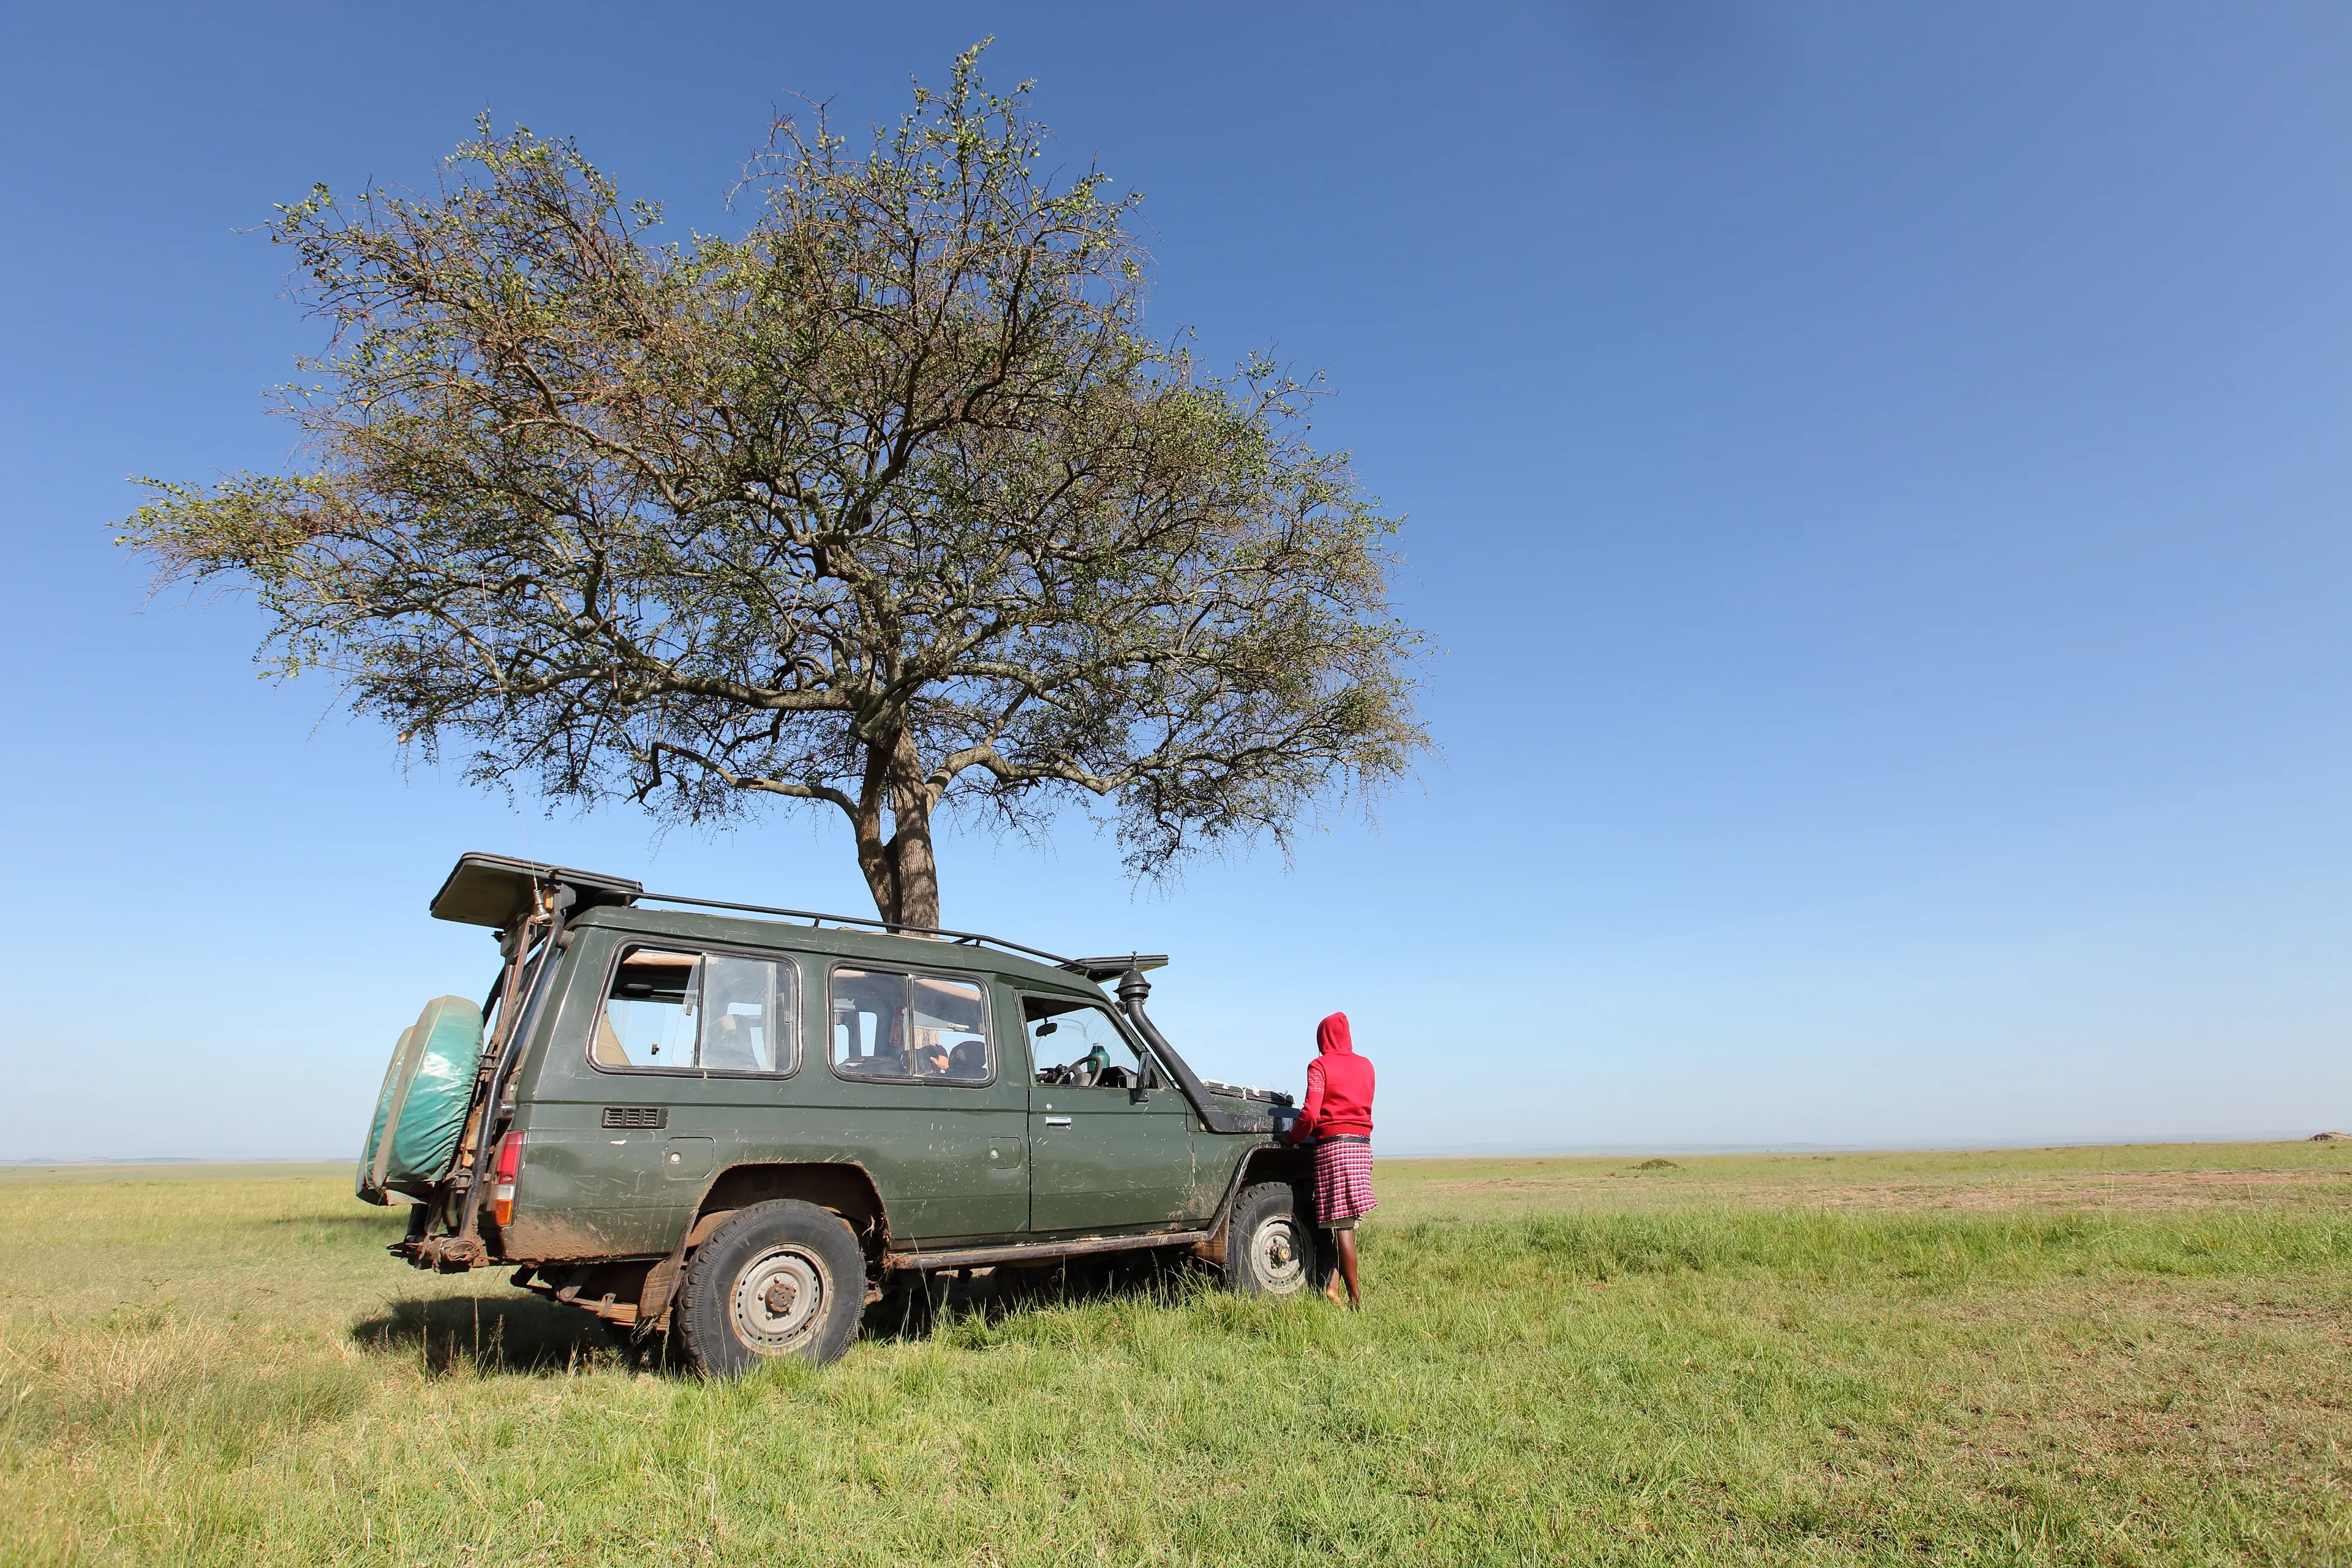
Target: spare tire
{"points": [[421, 1111]]}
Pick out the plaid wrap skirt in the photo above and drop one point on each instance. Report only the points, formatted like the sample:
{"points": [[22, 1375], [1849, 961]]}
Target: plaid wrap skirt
{"points": [[1343, 1180]]}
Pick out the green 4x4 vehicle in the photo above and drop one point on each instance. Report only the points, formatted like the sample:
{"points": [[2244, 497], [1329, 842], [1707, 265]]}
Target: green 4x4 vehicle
{"points": [[747, 1124]]}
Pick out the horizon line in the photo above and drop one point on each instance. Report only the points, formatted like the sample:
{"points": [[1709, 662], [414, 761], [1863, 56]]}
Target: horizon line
{"points": [[1505, 1149]]}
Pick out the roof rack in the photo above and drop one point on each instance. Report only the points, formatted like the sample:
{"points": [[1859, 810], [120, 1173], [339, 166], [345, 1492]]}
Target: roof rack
{"points": [[496, 891], [814, 917]]}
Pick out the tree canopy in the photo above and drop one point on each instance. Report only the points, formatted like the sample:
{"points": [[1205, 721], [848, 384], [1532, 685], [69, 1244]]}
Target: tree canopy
{"points": [[890, 504]]}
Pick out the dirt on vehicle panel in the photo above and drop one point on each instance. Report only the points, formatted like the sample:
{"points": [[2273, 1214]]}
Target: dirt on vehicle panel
{"points": [[554, 1235]]}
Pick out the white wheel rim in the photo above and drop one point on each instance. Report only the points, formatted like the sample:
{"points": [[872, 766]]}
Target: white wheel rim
{"points": [[1278, 1255], [780, 1300]]}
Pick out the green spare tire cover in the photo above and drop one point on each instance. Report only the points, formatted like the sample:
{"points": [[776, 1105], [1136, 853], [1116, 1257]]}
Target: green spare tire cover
{"points": [[420, 1112], [403, 1060]]}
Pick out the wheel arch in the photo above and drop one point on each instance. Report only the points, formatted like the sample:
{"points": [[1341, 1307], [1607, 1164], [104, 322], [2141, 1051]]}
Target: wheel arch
{"points": [[1291, 1163], [843, 1187]]}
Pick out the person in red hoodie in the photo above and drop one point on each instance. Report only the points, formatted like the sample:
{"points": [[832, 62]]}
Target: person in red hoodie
{"points": [[1337, 1118]]}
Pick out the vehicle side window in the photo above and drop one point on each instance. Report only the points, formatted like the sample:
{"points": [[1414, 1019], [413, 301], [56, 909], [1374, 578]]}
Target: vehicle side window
{"points": [[910, 1028], [712, 1012], [1082, 1039]]}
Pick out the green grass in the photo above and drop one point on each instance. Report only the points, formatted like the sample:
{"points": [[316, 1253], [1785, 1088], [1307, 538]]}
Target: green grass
{"points": [[2106, 1355]]}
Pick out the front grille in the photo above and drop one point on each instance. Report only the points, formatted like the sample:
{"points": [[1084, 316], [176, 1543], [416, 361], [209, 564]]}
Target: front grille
{"points": [[648, 1116]]}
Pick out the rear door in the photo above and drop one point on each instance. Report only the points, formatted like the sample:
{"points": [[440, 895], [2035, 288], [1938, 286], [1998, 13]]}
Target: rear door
{"points": [[927, 1106], [688, 1046], [1101, 1161]]}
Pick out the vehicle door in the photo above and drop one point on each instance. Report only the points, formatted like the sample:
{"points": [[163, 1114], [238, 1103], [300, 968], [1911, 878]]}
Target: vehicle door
{"points": [[923, 1105], [1110, 1144], [689, 1051]]}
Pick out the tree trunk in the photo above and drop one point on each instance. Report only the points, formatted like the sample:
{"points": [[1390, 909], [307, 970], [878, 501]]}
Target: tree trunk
{"points": [[917, 872], [900, 871]]}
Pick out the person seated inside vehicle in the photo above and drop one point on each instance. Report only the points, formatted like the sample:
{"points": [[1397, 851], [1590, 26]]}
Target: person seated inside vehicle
{"points": [[969, 1061], [928, 1060]]}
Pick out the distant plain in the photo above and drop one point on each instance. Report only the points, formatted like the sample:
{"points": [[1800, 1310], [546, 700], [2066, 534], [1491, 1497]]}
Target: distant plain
{"points": [[2088, 1356]]}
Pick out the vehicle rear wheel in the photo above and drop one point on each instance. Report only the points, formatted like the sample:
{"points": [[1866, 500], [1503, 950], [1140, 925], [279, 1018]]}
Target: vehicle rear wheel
{"points": [[1270, 1247], [779, 1279]]}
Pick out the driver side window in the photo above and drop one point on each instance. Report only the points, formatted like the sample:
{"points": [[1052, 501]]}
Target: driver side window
{"points": [[1076, 1043]]}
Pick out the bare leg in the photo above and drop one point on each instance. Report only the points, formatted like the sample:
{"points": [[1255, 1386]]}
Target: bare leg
{"points": [[1331, 1291], [1347, 1239]]}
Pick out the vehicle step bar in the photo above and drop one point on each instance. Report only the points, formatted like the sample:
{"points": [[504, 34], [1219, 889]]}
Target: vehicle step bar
{"points": [[1039, 1251]]}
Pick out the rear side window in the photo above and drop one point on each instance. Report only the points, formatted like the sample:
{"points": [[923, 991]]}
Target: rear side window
{"points": [[910, 1028], [698, 1012]]}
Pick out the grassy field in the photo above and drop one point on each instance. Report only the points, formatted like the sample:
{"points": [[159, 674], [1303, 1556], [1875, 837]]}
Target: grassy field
{"points": [[2112, 1355]]}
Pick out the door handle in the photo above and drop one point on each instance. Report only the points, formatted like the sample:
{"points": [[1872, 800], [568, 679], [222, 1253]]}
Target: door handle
{"points": [[1057, 1121]]}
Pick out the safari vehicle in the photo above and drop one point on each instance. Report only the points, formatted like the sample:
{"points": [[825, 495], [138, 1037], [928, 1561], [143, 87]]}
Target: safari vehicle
{"points": [[745, 1123]]}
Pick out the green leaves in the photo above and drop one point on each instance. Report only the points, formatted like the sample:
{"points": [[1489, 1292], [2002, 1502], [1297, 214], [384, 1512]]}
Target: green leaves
{"points": [[890, 501]]}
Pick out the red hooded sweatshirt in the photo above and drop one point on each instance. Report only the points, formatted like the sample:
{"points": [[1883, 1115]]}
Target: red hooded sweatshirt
{"points": [[1339, 1086]]}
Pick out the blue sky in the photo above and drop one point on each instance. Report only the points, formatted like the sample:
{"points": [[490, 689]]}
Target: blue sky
{"points": [[1877, 476]]}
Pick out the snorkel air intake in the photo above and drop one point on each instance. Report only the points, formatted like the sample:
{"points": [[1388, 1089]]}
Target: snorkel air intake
{"points": [[1132, 990]]}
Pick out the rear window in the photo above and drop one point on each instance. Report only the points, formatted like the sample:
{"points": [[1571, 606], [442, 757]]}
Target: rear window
{"points": [[669, 1009]]}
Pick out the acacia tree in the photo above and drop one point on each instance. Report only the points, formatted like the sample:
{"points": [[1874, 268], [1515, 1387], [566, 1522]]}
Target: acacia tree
{"points": [[891, 504]]}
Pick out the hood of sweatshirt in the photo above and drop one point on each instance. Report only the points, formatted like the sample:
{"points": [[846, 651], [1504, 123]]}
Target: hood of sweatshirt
{"points": [[1331, 1036]]}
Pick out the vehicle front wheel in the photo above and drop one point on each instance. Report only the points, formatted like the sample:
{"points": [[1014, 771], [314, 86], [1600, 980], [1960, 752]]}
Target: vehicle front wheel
{"points": [[779, 1279], [1270, 1248]]}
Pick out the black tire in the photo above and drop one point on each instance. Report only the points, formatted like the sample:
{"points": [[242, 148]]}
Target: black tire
{"points": [[777, 1280], [1270, 1245]]}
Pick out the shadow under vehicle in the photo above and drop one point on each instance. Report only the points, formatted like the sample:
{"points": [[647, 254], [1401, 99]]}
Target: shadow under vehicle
{"points": [[744, 1124]]}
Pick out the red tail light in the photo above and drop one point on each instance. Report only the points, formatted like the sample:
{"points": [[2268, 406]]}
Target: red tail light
{"points": [[502, 1188]]}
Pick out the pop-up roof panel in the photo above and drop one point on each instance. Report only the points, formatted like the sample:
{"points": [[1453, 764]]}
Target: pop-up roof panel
{"points": [[496, 890]]}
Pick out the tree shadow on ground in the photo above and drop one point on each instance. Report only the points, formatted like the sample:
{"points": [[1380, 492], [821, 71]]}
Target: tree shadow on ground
{"points": [[916, 1311], [498, 1333]]}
